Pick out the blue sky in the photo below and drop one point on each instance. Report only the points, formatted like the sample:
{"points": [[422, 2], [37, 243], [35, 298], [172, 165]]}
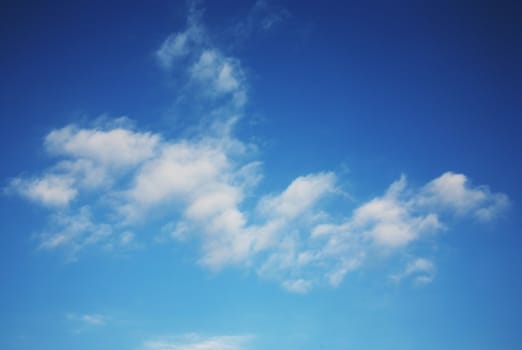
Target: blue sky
{"points": [[243, 175]]}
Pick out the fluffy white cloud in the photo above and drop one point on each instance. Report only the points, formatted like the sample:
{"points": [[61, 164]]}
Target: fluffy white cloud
{"points": [[116, 147], [452, 191], [402, 215], [176, 45], [299, 196], [179, 171], [91, 157], [206, 75], [196, 187], [262, 17], [390, 220], [198, 342], [75, 231]]}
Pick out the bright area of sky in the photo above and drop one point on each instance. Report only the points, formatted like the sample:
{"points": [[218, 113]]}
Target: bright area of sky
{"points": [[250, 175]]}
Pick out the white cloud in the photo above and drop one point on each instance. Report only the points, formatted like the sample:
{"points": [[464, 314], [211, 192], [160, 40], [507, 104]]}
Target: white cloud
{"points": [[201, 180], [84, 173], [402, 215], [178, 45], [86, 321], [218, 75], [421, 270], [199, 342], [299, 196], [110, 181], [91, 158], [298, 286], [179, 171], [262, 17], [175, 46], [116, 147], [451, 191], [94, 319], [390, 221], [49, 190]]}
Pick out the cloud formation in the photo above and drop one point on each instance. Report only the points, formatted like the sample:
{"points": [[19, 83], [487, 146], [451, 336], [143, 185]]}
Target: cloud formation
{"points": [[262, 17], [421, 270], [199, 342], [181, 44], [107, 182], [195, 188]]}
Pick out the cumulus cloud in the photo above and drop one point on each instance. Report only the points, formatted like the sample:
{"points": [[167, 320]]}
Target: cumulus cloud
{"points": [[399, 217], [112, 185], [89, 159], [402, 215], [390, 220], [421, 270], [299, 196], [49, 189], [452, 191], [196, 188], [117, 147], [199, 342]]}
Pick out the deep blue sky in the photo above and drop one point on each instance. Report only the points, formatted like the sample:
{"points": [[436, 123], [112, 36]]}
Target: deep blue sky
{"points": [[342, 98]]}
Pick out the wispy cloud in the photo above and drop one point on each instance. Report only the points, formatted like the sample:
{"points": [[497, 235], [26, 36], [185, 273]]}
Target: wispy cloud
{"points": [[205, 181], [85, 321], [204, 73], [421, 270], [263, 16], [49, 189], [181, 44], [199, 342], [451, 191], [95, 320]]}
